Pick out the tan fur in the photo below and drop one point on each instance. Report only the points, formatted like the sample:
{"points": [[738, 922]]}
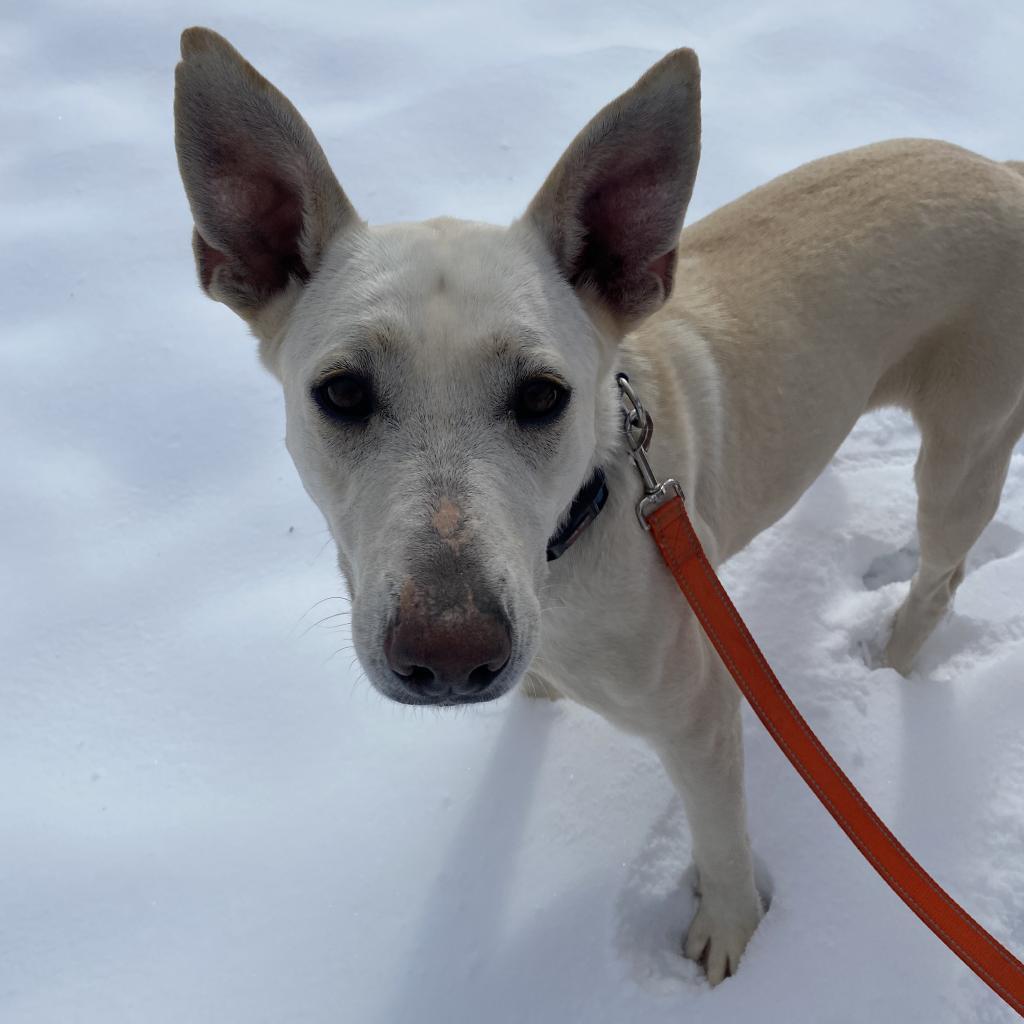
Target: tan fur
{"points": [[892, 274]]}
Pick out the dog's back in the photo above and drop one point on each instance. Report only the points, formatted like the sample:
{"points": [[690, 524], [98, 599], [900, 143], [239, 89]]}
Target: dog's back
{"points": [[890, 274]]}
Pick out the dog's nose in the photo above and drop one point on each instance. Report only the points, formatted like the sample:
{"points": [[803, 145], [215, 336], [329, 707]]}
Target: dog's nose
{"points": [[454, 656]]}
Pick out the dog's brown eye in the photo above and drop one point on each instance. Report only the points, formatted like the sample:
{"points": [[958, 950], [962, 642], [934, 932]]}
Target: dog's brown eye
{"points": [[349, 396], [539, 400]]}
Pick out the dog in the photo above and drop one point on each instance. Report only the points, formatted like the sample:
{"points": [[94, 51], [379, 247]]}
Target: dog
{"points": [[451, 400]]}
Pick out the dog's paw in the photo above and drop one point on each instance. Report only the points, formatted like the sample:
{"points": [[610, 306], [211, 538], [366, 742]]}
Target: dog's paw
{"points": [[901, 644], [874, 649], [870, 651], [717, 940]]}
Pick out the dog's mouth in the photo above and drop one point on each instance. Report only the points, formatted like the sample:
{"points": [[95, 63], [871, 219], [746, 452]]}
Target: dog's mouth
{"points": [[449, 700]]}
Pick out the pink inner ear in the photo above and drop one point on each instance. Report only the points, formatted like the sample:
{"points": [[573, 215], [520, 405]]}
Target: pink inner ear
{"points": [[256, 218], [629, 218]]}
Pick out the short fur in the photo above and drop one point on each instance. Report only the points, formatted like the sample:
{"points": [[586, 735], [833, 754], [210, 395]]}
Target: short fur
{"points": [[891, 274]]}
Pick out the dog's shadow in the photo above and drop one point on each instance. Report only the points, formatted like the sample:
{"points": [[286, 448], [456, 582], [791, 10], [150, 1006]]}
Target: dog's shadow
{"points": [[467, 904], [499, 961]]}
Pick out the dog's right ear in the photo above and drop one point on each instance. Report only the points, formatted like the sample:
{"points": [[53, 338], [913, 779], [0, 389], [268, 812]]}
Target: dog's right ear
{"points": [[264, 200]]}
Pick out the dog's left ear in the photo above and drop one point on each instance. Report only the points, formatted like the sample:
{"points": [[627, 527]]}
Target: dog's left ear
{"points": [[612, 209]]}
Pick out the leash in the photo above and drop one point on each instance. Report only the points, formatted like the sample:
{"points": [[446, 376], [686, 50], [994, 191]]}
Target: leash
{"points": [[662, 511]]}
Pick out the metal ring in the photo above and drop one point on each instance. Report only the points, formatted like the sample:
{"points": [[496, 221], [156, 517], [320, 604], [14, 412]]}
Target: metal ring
{"points": [[636, 420]]}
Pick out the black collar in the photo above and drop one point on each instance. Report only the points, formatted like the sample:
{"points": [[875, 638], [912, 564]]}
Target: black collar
{"points": [[589, 501]]}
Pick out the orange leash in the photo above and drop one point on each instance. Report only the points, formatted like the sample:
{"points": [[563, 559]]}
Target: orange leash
{"points": [[664, 513]]}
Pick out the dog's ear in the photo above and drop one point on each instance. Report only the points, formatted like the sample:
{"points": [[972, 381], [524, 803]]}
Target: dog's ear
{"points": [[264, 199], [612, 209]]}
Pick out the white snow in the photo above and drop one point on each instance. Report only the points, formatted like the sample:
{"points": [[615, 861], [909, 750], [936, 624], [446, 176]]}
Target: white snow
{"points": [[207, 815]]}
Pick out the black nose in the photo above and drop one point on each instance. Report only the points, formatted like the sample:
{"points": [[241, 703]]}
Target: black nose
{"points": [[454, 656]]}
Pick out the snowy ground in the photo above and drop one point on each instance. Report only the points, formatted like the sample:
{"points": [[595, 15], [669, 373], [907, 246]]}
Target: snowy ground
{"points": [[205, 814]]}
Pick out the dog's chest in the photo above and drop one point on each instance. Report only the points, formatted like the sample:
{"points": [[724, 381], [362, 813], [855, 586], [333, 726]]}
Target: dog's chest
{"points": [[611, 626]]}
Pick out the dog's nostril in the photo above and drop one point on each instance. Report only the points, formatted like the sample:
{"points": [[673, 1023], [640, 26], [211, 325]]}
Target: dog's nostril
{"points": [[419, 675], [481, 677], [422, 680]]}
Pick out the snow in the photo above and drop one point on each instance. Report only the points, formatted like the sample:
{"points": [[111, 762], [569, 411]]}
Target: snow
{"points": [[207, 815]]}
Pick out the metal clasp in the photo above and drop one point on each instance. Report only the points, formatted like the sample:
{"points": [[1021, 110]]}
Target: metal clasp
{"points": [[638, 426]]}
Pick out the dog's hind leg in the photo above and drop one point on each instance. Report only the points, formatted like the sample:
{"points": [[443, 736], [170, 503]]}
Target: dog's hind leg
{"points": [[960, 471]]}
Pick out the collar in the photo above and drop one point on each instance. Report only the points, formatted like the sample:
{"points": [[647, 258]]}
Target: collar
{"points": [[589, 501]]}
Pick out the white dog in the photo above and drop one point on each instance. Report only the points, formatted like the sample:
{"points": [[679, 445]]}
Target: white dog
{"points": [[452, 408]]}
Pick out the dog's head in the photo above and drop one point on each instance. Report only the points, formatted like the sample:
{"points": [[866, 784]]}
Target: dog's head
{"points": [[448, 384]]}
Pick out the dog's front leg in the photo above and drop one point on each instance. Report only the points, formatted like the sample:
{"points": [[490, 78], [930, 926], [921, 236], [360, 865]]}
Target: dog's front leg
{"points": [[701, 745]]}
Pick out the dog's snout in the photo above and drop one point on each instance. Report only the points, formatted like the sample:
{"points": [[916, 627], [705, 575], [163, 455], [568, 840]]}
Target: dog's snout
{"points": [[446, 655]]}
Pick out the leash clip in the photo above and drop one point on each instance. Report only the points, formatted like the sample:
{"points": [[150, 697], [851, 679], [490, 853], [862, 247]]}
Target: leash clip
{"points": [[638, 426]]}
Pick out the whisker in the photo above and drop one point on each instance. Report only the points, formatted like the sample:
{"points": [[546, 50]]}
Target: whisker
{"points": [[326, 618], [340, 650], [317, 604]]}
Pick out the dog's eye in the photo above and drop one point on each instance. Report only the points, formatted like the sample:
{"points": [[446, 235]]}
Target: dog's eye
{"points": [[348, 396], [539, 400]]}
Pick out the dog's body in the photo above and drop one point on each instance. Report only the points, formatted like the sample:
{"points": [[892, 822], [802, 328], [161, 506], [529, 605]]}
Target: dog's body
{"points": [[892, 274]]}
